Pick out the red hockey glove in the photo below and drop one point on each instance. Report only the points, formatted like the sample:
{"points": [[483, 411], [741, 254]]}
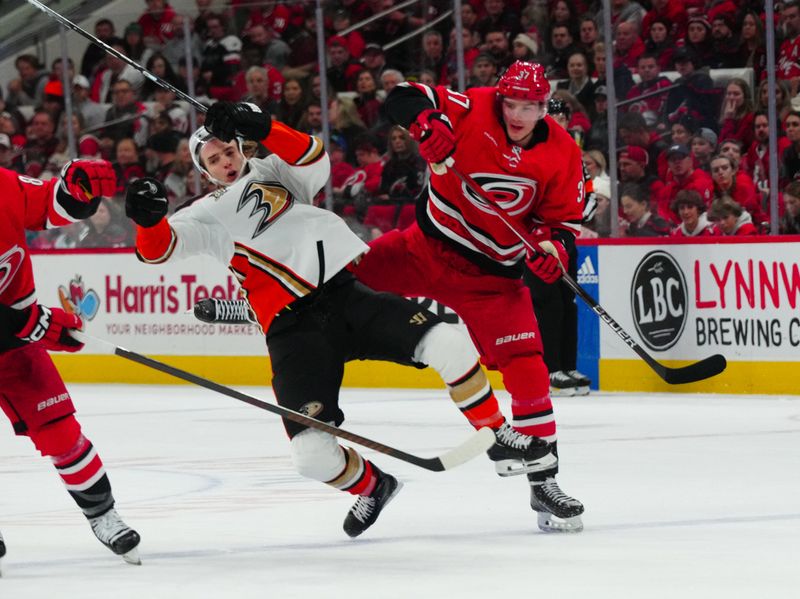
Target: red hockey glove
{"points": [[50, 327], [433, 131], [86, 180], [547, 264]]}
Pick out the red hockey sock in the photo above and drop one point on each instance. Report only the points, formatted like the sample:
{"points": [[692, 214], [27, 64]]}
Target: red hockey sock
{"points": [[528, 382], [473, 395], [358, 476]]}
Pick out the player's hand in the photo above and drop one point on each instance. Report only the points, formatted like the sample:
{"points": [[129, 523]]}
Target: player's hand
{"points": [[433, 131], [227, 120], [547, 264], [86, 180], [146, 202], [50, 328]]}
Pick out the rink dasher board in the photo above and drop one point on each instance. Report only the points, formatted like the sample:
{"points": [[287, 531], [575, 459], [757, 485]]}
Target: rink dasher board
{"points": [[683, 300]]}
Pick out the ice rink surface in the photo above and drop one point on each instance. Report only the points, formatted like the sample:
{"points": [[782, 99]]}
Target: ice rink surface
{"points": [[686, 496]]}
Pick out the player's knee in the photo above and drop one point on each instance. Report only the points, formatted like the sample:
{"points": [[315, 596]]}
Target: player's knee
{"points": [[448, 351], [56, 438], [317, 455]]}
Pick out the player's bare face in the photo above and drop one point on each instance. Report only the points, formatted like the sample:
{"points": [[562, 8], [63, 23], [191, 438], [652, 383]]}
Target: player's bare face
{"points": [[222, 160], [520, 117]]}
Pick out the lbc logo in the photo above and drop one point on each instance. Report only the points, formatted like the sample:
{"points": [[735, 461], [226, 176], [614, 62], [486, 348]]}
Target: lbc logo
{"points": [[658, 298]]}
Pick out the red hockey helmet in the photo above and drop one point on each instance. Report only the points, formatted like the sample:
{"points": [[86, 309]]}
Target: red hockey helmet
{"points": [[524, 81]]}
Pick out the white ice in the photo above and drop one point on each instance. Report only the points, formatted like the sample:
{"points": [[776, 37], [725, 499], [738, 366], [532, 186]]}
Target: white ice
{"points": [[686, 496]]}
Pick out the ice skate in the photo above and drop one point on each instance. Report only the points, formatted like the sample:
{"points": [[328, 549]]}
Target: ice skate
{"points": [[584, 382], [562, 385], [366, 509], [2, 552], [112, 532], [514, 453], [557, 511]]}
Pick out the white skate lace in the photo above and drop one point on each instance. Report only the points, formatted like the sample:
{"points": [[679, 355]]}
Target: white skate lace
{"points": [[511, 438], [561, 377], [232, 310], [554, 492], [363, 508], [108, 527]]}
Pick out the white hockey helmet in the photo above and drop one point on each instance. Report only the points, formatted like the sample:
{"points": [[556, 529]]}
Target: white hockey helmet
{"points": [[196, 142]]}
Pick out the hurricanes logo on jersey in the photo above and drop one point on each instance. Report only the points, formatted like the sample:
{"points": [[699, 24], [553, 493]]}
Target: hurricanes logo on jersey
{"points": [[9, 265], [269, 200], [514, 195]]}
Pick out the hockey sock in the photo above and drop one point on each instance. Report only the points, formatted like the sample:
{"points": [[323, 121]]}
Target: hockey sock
{"points": [[85, 478], [527, 380], [473, 395], [358, 477]]}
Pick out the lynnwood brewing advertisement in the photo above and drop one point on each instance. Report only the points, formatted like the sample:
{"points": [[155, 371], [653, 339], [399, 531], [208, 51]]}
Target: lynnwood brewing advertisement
{"points": [[689, 301]]}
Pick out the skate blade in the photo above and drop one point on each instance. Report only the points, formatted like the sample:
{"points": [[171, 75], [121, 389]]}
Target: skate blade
{"points": [[507, 468], [581, 391], [132, 557], [565, 392], [551, 523]]}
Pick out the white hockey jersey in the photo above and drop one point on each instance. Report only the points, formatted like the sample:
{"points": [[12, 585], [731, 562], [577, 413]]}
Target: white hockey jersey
{"points": [[265, 229]]}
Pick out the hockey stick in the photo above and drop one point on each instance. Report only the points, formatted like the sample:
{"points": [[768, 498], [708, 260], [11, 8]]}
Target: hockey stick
{"points": [[476, 444], [698, 371], [154, 78]]}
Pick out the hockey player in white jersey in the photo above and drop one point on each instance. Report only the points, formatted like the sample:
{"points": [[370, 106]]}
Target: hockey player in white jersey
{"points": [[291, 260]]}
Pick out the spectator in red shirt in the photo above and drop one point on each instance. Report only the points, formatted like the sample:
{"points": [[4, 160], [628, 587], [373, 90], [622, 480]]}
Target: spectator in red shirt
{"points": [[738, 185], [758, 153], [355, 41], [737, 113], [273, 15], [788, 63], [156, 23], [731, 218], [628, 46], [691, 210], [632, 164], [682, 175], [651, 80]]}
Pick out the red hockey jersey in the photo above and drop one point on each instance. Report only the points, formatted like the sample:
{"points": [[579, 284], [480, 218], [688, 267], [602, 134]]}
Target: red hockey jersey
{"points": [[26, 204], [541, 185]]}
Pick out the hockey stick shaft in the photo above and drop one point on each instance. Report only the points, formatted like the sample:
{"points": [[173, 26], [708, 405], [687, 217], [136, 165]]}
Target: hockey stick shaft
{"points": [[706, 368], [476, 444], [132, 63]]}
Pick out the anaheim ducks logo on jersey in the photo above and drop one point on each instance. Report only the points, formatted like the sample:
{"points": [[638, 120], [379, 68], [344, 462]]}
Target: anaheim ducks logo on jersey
{"points": [[269, 199], [515, 195]]}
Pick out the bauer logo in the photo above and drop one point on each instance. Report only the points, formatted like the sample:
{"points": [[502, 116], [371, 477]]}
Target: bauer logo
{"points": [[659, 300], [587, 275]]}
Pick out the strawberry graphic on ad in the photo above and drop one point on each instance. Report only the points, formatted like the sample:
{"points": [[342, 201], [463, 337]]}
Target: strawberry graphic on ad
{"points": [[79, 301]]}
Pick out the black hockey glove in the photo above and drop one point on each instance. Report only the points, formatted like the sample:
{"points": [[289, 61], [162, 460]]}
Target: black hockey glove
{"points": [[146, 202], [227, 120]]}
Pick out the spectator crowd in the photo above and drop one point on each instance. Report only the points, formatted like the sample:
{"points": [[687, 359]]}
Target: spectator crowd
{"points": [[689, 75]]}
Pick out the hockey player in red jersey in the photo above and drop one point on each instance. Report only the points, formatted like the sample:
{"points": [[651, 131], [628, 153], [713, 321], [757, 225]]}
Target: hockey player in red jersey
{"points": [[462, 255], [32, 394], [291, 260]]}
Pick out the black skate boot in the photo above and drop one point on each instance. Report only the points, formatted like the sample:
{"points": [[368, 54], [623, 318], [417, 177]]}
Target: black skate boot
{"points": [[584, 382], [558, 512], [562, 385], [2, 553], [514, 453], [112, 532], [366, 509]]}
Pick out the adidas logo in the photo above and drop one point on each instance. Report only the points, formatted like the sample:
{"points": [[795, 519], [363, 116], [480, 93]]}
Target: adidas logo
{"points": [[586, 273]]}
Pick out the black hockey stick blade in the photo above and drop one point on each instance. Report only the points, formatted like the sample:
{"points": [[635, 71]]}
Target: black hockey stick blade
{"points": [[472, 447], [698, 371]]}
